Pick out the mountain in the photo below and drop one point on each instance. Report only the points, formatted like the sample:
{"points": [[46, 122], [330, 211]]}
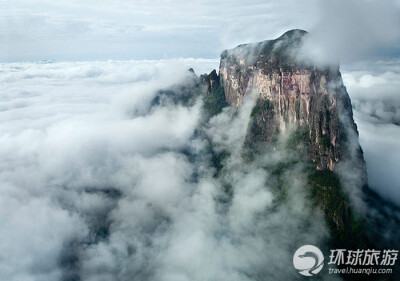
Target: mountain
{"points": [[295, 96], [308, 102], [291, 94], [285, 125]]}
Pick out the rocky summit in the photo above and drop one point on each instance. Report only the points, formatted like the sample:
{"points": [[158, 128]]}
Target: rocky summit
{"points": [[289, 120], [298, 98], [310, 102], [291, 94]]}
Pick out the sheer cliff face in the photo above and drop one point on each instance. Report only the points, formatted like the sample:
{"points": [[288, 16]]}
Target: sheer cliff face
{"points": [[312, 105], [290, 95]]}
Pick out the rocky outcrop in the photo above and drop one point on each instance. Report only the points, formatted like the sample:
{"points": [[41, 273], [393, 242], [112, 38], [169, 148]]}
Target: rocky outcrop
{"points": [[214, 99], [312, 101], [291, 94]]}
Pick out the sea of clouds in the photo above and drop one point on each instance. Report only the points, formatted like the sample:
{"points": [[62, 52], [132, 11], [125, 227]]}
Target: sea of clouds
{"points": [[98, 184], [374, 88], [68, 132]]}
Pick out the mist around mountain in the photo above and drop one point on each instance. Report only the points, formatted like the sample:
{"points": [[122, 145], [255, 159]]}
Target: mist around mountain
{"points": [[148, 171], [309, 103]]}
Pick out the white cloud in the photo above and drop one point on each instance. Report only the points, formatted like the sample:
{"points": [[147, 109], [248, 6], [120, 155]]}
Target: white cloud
{"points": [[374, 89], [97, 185], [349, 31], [64, 130]]}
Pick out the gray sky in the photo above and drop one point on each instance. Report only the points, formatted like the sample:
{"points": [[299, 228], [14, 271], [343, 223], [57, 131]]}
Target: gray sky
{"points": [[120, 29]]}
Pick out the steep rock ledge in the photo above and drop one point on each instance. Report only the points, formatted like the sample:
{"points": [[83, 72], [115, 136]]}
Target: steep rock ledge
{"points": [[291, 94]]}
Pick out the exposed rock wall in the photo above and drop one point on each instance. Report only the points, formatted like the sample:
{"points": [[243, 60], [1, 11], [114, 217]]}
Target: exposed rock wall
{"points": [[290, 95]]}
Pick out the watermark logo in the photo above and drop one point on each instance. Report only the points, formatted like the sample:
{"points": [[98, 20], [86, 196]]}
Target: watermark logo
{"points": [[369, 261], [308, 260]]}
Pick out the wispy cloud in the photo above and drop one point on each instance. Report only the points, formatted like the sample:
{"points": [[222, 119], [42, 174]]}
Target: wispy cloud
{"points": [[350, 31], [374, 89], [98, 184]]}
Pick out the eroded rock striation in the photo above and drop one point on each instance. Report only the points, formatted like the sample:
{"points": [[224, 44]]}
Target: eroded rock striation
{"points": [[291, 94], [310, 102]]}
